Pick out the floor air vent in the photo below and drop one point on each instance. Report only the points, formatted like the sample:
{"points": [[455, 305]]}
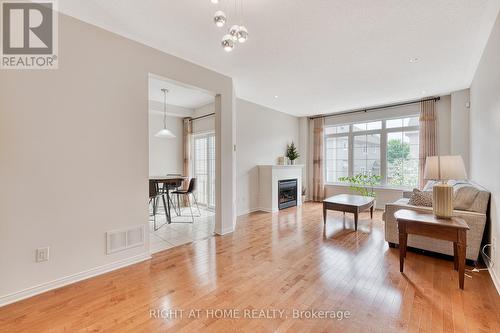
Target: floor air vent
{"points": [[122, 239]]}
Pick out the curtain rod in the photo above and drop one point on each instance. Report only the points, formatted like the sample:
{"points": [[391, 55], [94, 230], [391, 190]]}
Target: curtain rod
{"points": [[435, 99], [204, 116]]}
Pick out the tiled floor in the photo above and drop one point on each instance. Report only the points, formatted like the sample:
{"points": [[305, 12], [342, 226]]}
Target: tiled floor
{"points": [[176, 234]]}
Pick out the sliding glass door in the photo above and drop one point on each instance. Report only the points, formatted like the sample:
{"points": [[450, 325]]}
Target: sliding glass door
{"points": [[204, 168]]}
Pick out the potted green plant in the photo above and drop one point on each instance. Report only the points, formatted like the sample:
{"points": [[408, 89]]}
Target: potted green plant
{"points": [[292, 153], [362, 183]]}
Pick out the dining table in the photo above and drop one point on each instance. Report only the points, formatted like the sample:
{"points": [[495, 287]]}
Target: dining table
{"points": [[169, 181]]}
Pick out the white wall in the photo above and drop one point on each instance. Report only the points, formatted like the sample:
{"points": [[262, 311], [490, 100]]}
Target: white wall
{"points": [[74, 155], [173, 110], [262, 136], [165, 155], [460, 125], [443, 108], [485, 134]]}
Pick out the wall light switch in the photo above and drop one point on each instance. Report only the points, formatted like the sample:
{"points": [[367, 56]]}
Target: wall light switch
{"points": [[42, 254]]}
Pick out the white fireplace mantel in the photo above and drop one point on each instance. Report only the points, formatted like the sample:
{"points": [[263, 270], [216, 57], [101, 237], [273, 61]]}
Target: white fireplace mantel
{"points": [[269, 175]]}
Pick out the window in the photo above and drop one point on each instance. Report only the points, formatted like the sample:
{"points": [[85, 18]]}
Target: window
{"points": [[387, 148], [204, 168], [402, 158], [366, 157], [337, 157], [375, 125]]}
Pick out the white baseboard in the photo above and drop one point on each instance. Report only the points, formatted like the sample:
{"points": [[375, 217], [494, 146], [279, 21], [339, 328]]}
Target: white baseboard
{"points": [[44, 287], [224, 232], [248, 211], [496, 280]]}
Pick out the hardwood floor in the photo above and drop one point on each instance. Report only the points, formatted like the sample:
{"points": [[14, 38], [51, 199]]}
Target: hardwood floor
{"points": [[283, 261]]}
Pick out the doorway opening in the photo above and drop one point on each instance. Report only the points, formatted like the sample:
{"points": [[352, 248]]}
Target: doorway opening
{"points": [[182, 165]]}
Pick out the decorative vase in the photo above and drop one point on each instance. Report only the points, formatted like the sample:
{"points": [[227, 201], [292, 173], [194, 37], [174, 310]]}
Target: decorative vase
{"points": [[303, 199], [292, 162]]}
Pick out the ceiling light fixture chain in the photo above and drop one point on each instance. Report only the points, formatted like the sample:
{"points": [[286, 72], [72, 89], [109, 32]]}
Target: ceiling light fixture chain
{"points": [[241, 12], [164, 132], [165, 91]]}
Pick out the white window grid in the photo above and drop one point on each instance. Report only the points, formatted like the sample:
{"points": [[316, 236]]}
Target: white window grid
{"points": [[204, 168], [383, 146]]}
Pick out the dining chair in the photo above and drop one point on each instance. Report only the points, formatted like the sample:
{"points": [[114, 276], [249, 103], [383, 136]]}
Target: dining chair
{"points": [[170, 187], [186, 194], [154, 195]]}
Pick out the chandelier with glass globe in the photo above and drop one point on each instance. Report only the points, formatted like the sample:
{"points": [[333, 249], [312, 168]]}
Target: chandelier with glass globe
{"points": [[237, 33]]}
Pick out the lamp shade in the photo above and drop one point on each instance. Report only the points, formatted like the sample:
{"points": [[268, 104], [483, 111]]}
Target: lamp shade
{"points": [[445, 168], [165, 133]]}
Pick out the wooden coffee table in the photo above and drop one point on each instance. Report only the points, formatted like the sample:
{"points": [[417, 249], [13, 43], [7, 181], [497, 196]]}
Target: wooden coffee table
{"points": [[348, 203], [453, 230]]}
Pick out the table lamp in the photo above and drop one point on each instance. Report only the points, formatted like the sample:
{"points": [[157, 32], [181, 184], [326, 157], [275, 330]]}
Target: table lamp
{"points": [[444, 168]]}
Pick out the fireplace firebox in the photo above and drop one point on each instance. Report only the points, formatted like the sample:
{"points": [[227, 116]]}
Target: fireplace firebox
{"points": [[287, 193]]}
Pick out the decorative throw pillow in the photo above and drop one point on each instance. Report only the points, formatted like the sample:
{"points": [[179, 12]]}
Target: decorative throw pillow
{"points": [[421, 198]]}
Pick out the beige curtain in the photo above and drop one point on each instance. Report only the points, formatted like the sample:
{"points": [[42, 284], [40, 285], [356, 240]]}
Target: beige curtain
{"points": [[428, 135], [318, 186], [187, 134]]}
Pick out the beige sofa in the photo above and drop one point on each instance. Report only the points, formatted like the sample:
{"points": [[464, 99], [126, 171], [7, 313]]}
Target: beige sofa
{"points": [[474, 215]]}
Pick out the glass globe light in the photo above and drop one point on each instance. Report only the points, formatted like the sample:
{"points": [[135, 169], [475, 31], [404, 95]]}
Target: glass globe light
{"points": [[219, 18], [233, 31], [214, 1], [242, 34], [227, 43]]}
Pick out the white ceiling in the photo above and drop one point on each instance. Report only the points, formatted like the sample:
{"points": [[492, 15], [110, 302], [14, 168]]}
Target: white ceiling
{"points": [[179, 95], [317, 55]]}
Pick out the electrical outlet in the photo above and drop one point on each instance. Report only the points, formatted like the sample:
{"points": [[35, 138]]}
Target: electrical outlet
{"points": [[42, 254]]}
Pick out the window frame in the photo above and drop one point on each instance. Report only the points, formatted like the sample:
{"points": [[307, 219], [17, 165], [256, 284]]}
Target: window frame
{"points": [[383, 146], [210, 171], [349, 152]]}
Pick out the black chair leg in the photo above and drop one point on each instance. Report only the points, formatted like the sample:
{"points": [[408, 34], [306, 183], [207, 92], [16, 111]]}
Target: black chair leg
{"points": [[179, 203], [155, 203], [188, 202], [149, 203], [166, 208], [173, 205], [196, 202], [190, 206], [155, 210]]}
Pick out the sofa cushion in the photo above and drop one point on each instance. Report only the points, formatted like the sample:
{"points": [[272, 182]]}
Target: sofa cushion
{"points": [[464, 197], [420, 198], [467, 196], [429, 185], [480, 205]]}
